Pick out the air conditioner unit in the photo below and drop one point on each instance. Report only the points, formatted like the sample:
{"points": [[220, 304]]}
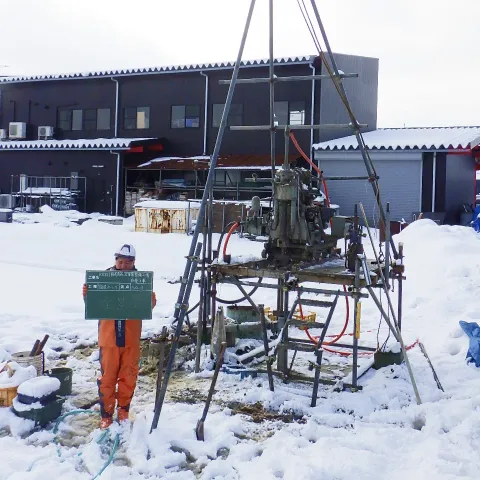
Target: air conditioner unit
{"points": [[3, 134], [17, 130], [44, 133], [6, 201]]}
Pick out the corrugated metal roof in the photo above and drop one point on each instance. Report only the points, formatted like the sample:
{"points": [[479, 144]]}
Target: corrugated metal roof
{"points": [[431, 138], [155, 70], [83, 144]]}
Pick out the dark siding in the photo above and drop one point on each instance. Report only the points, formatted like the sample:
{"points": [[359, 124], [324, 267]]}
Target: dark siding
{"points": [[460, 185], [440, 181], [37, 104], [362, 93], [427, 176], [255, 100], [63, 163], [160, 92]]}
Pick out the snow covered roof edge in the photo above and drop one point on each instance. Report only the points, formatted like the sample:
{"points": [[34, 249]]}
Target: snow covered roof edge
{"points": [[90, 144], [152, 70], [421, 138]]}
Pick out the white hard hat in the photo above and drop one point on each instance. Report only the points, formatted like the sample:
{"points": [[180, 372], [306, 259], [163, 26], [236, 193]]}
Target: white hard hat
{"points": [[127, 251]]}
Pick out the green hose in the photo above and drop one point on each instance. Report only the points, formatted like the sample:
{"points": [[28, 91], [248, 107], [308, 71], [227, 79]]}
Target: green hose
{"points": [[102, 438], [110, 458]]}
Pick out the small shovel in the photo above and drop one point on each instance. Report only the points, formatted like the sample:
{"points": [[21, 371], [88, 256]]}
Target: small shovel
{"points": [[201, 423]]}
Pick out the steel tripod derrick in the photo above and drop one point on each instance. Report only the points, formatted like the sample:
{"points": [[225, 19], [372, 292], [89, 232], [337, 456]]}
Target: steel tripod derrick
{"points": [[205, 214]]}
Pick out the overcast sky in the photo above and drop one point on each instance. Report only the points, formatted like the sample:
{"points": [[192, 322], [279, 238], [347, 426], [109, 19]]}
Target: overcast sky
{"points": [[428, 49]]}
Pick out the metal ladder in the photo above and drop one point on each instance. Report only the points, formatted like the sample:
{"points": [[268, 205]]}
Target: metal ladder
{"points": [[306, 345]]}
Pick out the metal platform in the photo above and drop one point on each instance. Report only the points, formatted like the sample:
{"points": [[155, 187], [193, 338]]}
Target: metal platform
{"points": [[329, 271]]}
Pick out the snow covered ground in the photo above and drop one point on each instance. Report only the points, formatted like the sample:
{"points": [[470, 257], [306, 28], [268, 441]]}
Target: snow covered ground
{"points": [[377, 433]]}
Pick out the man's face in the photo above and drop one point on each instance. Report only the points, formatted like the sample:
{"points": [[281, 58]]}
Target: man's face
{"points": [[122, 263]]}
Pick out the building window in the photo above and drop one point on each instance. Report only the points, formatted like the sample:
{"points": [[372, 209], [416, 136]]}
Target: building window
{"points": [[289, 113], [297, 113], [64, 119], [77, 119], [90, 119], [103, 119], [235, 116], [136, 118], [185, 116]]}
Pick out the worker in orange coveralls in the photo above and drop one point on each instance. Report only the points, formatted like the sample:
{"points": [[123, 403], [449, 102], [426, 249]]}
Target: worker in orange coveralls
{"points": [[119, 343]]}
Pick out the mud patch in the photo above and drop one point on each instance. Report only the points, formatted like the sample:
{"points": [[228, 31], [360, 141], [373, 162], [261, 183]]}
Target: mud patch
{"points": [[258, 414], [188, 395]]}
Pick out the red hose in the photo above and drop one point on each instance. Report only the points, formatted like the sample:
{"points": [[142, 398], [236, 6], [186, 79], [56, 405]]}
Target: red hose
{"points": [[229, 234], [337, 337], [324, 183], [307, 159]]}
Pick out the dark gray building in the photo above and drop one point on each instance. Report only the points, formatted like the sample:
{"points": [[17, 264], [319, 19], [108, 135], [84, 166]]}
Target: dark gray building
{"points": [[87, 131], [428, 170]]}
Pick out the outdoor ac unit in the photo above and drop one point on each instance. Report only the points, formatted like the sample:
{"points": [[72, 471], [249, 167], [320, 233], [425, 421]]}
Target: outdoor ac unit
{"points": [[3, 134], [45, 133], [6, 201], [17, 130]]}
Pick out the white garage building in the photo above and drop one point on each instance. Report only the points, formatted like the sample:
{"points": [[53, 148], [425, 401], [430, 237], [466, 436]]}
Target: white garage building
{"points": [[429, 170]]}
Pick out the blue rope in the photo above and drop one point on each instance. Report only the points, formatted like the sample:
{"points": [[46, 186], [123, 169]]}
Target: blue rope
{"points": [[101, 439]]}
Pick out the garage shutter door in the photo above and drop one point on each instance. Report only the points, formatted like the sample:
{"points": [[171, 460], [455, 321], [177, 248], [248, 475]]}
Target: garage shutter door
{"points": [[400, 183]]}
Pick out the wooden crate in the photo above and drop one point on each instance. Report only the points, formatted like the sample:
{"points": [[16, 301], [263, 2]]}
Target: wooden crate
{"points": [[7, 395]]}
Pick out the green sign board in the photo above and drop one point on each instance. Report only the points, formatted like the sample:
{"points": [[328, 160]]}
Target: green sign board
{"points": [[118, 295]]}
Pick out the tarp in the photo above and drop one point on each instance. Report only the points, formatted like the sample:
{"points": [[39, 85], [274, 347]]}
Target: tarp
{"points": [[472, 329], [476, 219]]}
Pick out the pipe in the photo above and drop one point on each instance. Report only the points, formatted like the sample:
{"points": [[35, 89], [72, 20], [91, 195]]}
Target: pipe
{"points": [[117, 99], [205, 117], [312, 109], [117, 199], [434, 175], [271, 95]]}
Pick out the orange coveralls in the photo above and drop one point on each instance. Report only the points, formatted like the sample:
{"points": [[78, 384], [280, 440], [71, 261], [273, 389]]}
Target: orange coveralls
{"points": [[119, 342]]}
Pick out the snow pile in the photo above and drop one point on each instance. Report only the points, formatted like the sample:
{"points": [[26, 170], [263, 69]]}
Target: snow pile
{"points": [[370, 434], [39, 387], [20, 375]]}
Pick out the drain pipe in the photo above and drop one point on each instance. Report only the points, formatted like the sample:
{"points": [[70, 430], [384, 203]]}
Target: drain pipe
{"points": [[116, 104], [312, 110], [205, 119], [434, 175], [118, 182]]}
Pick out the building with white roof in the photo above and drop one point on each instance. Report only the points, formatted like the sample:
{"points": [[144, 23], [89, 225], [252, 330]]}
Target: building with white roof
{"points": [[428, 170]]}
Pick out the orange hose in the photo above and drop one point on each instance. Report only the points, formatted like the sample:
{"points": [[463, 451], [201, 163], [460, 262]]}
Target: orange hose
{"points": [[229, 234]]}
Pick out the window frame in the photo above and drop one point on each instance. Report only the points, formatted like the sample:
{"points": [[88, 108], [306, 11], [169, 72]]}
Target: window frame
{"points": [[230, 115], [136, 118], [67, 122], [107, 116], [90, 124], [186, 117], [290, 110]]}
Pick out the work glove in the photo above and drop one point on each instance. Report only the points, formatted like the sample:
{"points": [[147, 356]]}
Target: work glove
{"points": [[154, 299]]}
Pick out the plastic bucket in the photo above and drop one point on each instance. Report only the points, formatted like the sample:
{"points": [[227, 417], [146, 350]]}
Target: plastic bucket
{"points": [[242, 313], [24, 360], [65, 375]]}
